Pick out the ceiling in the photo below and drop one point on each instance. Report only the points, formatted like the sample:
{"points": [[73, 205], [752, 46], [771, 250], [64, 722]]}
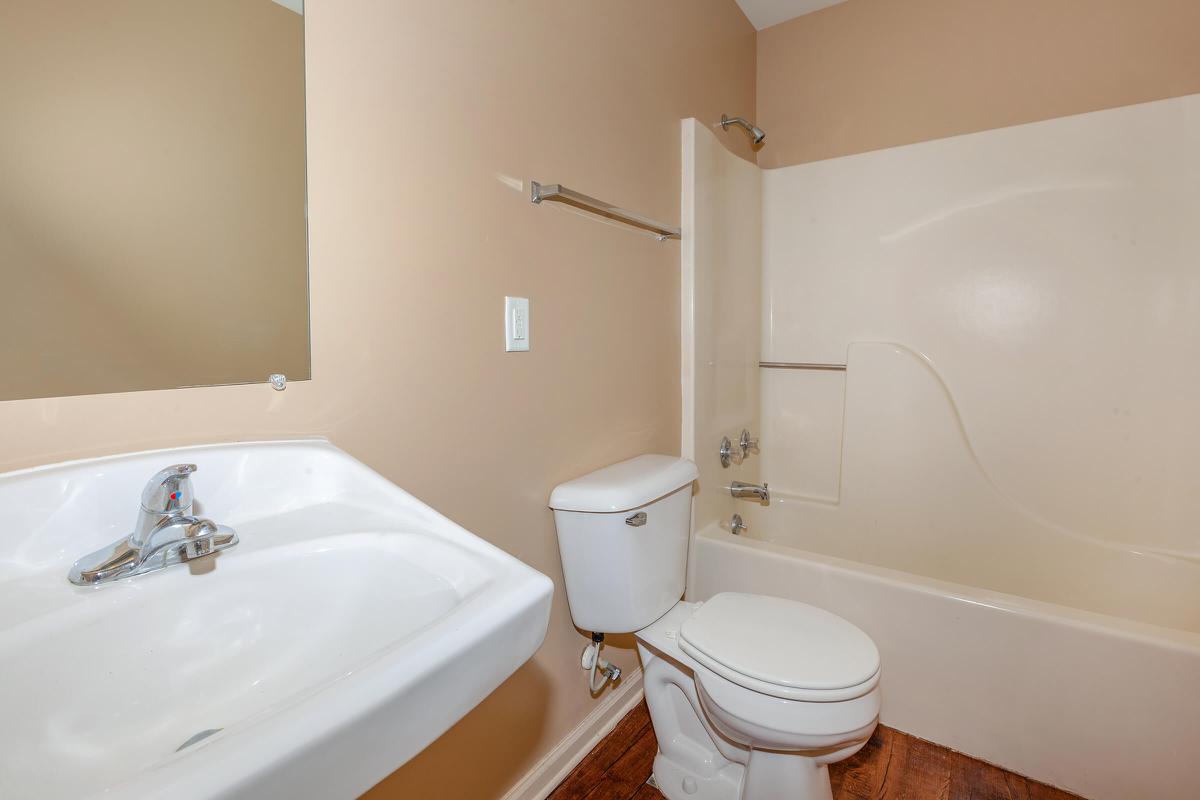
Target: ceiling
{"points": [[765, 13]]}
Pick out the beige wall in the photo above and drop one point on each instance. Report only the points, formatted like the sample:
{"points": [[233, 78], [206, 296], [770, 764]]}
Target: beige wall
{"points": [[869, 74], [152, 229], [419, 115]]}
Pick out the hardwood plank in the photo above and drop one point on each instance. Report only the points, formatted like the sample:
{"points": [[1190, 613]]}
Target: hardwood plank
{"points": [[591, 770], [972, 779], [916, 770], [893, 766], [648, 792], [856, 778], [629, 773], [1042, 791]]}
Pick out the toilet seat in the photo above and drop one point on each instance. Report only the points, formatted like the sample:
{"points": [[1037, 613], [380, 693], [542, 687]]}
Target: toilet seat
{"points": [[781, 648]]}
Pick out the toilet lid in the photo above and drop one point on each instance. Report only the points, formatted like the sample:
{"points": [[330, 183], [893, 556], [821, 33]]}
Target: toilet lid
{"points": [[779, 643]]}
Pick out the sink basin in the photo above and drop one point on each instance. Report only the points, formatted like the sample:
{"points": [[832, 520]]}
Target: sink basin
{"points": [[350, 627]]}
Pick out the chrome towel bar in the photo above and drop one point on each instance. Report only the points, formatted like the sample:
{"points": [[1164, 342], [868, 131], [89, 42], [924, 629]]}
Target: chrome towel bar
{"points": [[561, 194], [801, 365]]}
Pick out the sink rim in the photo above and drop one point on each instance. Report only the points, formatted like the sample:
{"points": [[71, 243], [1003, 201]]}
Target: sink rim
{"points": [[324, 441], [252, 744]]}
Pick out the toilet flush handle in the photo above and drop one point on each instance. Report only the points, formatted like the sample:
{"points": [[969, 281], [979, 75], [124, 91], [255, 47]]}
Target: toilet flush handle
{"points": [[637, 520]]}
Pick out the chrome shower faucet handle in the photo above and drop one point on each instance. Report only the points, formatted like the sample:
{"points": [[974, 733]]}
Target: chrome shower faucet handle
{"points": [[747, 444]]}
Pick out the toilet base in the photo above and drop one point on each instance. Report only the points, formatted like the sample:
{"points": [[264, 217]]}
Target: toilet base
{"points": [[695, 761], [677, 782], [805, 778]]}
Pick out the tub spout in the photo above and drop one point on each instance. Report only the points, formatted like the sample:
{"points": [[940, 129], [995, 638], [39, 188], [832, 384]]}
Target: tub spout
{"points": [[751, 490]]}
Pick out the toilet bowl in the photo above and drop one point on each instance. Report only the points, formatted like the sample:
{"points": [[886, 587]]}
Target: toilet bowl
{"points": [[750, 744], [751, 697]]}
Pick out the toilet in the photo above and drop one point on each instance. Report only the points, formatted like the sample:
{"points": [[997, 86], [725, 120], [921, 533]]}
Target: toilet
{"points": [[751, 697]]}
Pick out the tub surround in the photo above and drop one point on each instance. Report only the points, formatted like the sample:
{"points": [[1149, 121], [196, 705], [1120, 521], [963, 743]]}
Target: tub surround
{"points": [[999, 487], [1014, 306], [721, 305], [943, 515]]}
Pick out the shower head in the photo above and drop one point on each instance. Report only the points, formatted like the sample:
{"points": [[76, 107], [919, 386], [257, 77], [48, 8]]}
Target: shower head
{"points": [[757, 133]]}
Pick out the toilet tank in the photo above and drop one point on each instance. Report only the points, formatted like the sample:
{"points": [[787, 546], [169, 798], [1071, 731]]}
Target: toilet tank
{"points": [[623, 537]]}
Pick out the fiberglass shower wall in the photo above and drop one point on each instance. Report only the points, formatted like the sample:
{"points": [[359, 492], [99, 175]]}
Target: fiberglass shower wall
{"points": [[1019, 310], [721, 311]]}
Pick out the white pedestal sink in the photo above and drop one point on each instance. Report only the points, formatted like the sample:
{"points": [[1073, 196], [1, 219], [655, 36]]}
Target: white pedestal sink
{"points": [[350, 627]]}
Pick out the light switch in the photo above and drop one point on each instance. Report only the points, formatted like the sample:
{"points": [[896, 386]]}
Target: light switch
{"points": [[516, 324]]}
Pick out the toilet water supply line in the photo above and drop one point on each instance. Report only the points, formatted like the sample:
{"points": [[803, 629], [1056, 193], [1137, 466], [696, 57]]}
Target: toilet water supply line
{"points": [[591, 659]]}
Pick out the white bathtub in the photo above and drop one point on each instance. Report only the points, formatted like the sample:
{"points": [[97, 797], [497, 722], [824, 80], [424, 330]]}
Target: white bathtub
{"points": [[993, 489], [1102, 706]]}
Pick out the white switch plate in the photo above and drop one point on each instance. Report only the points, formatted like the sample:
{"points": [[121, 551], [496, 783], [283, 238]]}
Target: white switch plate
{"points": [[516, 324]]}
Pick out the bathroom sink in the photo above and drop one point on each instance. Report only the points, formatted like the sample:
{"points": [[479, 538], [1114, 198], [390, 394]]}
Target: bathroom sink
{"points": [[349, 627]]}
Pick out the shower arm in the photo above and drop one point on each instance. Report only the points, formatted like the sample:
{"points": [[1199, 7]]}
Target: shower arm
{"points": [[757, 134]]}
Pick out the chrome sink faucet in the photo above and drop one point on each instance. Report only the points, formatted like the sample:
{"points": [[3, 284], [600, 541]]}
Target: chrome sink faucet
{"points": [[166, 533]]}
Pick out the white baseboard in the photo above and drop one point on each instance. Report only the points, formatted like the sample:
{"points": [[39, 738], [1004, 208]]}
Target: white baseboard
{"points": [[566, 755]]}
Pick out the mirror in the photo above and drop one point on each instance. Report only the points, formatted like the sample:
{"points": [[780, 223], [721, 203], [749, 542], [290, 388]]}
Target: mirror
{"points": [[152, 195]]}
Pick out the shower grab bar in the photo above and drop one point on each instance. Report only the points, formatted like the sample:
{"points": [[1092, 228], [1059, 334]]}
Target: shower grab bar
{"points": [[561, 194], [801, 365]]}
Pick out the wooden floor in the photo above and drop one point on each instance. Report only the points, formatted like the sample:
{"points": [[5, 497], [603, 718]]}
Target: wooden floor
{"points": [[891, 766]]}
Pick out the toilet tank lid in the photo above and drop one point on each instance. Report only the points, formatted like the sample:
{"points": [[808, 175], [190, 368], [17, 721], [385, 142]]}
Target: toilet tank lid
{"points": [[621, 487]]}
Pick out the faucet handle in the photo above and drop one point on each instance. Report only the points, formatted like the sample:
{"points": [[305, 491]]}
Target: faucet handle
{"points": [[729, 454], [170, 490]]}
